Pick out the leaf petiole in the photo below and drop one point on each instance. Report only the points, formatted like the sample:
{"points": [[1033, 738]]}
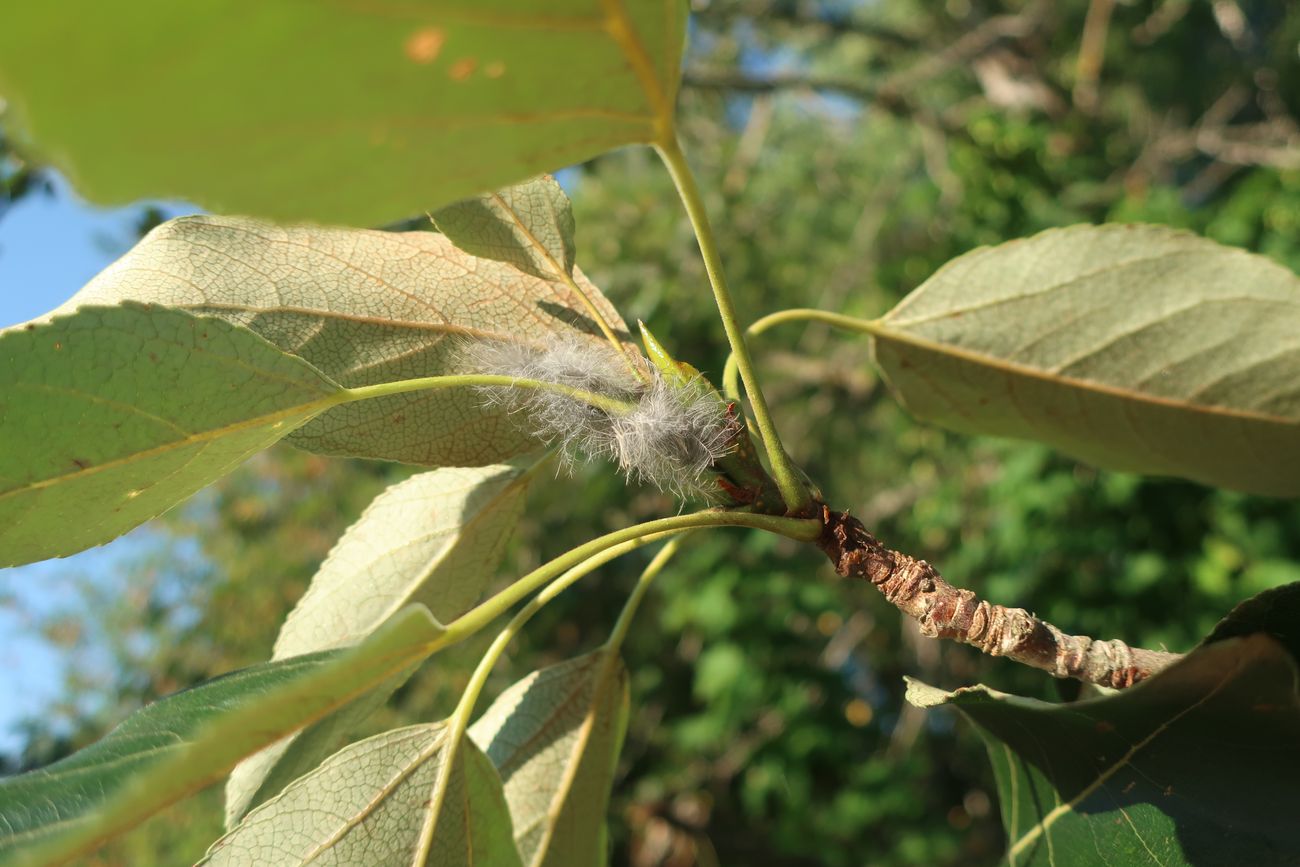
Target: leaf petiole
{"points": [[465, 708], [802, 529], [648, 575], [730, 381], [611, 405]]}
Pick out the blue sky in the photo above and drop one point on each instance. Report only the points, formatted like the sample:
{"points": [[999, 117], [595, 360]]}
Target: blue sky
{"points": [[49, 247]]}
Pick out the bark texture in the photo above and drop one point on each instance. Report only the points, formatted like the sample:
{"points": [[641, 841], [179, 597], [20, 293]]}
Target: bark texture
{"points": [[915, 588]]}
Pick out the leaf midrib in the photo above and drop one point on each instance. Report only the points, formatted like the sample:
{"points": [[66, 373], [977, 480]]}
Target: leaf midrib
{"points": [[309, 409], [882, 331]]}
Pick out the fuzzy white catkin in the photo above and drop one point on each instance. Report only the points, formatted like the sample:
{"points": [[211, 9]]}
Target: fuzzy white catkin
{"points": [[670, 438]]}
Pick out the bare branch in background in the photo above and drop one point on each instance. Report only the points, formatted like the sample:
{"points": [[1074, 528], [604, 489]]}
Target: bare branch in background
{"points": [[1092, 54], [966, 48], [1158, 23], [790, 14]]}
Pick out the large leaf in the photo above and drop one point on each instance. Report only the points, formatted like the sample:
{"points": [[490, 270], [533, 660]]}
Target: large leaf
{"points": [[112, 415], [435, 539], [555, 737], [1132, 347], [365, 307], [341, 112], [413, 796], [530, 226], [1200, 764], [176, 746]]}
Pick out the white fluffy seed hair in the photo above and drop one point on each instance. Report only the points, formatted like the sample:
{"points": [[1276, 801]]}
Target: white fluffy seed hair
{"points": [[670, 438]]}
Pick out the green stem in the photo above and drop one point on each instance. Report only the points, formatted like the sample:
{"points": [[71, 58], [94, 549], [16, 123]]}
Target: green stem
{"points": [[787, 477], [458, 722], [465, 707], [730, 386], [611, 405], [648, 575], [803, 529]]}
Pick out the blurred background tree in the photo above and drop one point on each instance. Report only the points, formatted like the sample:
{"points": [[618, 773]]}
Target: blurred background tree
{"points": [[851, 149]]}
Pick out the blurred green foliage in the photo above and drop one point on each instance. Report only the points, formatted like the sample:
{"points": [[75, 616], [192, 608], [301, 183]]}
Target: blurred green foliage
{"points": [[850, 150]]}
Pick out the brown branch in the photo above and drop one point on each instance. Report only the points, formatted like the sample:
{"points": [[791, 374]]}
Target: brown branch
{"points": [[1092, 54], [967, 48], [915, 588], [727, 79], [854, 88]]}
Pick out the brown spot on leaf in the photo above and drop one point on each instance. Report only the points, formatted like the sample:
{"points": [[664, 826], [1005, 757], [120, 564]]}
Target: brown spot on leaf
{"points": [[1104, 727], [81, 463], [31, 326], [495, 69], [424, 45], [57, 346], [463, 68]]}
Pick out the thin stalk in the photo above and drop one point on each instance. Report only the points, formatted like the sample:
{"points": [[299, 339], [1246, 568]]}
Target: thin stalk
{"points": [[648, 575], [730, 385], [468, 699], [458, 723], [611, 405], [787, 477], [459, 720], [803, 529]]}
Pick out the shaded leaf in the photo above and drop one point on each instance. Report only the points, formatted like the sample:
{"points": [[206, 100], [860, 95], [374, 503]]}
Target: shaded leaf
{"points": [[555, 737], [530, 226], [364, 307], [176, 746], [435, 539], [1132, 347], [1200, 764], [383, 113], [372, 803], [112, 415]]}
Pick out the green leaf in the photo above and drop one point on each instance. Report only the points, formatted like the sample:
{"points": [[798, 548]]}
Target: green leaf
{"points": [[364, 307], [112, 415], [434, 539], [418, 795], [530, 226], [178, 745], [382, 113], [1200, 764], [555, 737], [1131, 347]]}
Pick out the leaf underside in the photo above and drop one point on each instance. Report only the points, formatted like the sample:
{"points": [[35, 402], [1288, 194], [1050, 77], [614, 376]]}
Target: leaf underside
{"points": [[364, 307], [370, 804], [433, 539], [1134, 348], [555, 737], [530, 225]]}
